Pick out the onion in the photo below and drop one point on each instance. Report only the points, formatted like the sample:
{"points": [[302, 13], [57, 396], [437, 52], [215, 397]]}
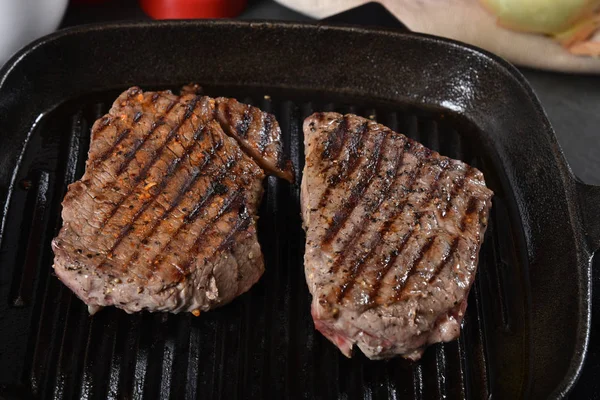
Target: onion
{"points": [[570, 22], [541, 16]]}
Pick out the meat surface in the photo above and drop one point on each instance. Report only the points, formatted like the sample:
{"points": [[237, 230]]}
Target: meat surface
{"points": [[257, 132], [164, 217], [393, 236]]}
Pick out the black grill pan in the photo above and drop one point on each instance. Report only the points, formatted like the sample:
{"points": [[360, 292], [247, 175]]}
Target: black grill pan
{"points": [[528, 320]]}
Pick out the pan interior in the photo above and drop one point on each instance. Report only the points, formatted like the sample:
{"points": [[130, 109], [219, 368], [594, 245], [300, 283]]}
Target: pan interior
{"points": [[262, 345]]}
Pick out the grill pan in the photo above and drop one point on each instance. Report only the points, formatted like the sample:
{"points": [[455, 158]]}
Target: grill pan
{"points": [[528, 320]]}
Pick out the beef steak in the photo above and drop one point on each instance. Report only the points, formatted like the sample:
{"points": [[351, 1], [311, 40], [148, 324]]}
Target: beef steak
{"points": [[393, 236], [164, 217]]}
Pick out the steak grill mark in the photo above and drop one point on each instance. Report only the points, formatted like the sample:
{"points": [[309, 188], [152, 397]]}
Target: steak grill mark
{"points": [[265, 132], [171, 135], [357, 234], [204, 200], [457, 188], [446, 260], [381, 233], [401, 280], [182, 191], [335, 141], [144, 172], [120, 137], [370, 170], [155, 191], [231, 202]]}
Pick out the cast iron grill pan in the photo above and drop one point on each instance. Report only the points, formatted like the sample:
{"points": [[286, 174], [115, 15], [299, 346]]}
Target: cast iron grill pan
{"points": [[264, 343], [527, 323]]}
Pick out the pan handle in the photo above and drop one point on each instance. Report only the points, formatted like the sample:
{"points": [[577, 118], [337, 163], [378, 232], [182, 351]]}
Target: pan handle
{"points": [[589, 203]]}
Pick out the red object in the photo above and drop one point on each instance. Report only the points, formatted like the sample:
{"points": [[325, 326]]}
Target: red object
{"points": [[190, 9]]}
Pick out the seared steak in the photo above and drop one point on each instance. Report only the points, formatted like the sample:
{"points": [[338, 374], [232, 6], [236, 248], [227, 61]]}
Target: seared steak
{"points": [[393, 236], [248, 125], [164, 217], [257, 132]]}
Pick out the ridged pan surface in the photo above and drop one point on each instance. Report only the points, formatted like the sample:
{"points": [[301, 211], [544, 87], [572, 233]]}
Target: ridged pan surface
{"points": [[263, 344]]}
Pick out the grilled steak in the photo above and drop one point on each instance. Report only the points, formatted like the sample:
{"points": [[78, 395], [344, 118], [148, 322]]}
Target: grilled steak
{"points": [[164, 217], [256, 131], [393, 236]]}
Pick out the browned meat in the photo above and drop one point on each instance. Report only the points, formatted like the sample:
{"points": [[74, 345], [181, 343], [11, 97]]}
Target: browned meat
{"points": [[164, 217], [393, 236], [256, 131]]}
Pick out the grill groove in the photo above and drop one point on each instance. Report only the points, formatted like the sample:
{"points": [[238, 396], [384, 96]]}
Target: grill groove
{"points": [[22, 287], [264, 344]]}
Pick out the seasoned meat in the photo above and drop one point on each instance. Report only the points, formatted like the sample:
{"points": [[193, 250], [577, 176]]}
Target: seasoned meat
{"points": [[256, 131], [164, 217], [393, 236]]}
